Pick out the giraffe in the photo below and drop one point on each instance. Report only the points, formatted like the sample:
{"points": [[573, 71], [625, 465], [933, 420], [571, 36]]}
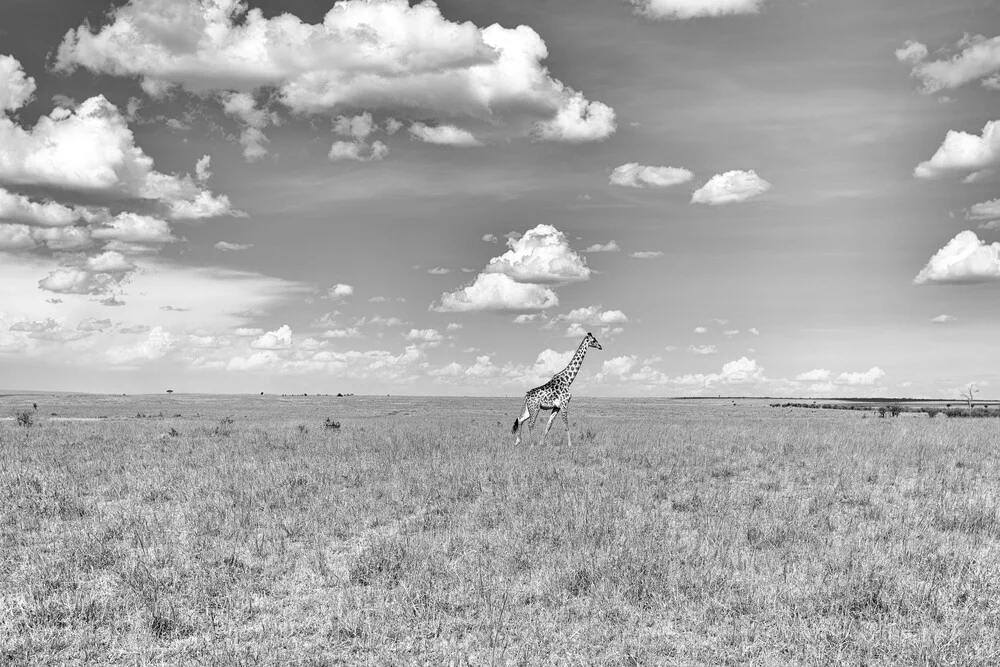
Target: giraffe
{"points": [[554, 395]]}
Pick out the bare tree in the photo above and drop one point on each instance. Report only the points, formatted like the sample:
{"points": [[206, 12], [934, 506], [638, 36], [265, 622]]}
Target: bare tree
{"points": [[969, 393]]}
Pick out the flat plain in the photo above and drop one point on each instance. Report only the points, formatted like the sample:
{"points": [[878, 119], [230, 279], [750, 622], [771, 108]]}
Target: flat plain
{"points": [[221, 530]]}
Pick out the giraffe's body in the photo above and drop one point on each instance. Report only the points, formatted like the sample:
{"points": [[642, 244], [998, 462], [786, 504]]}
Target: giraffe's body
{"points": [[554, 395]]}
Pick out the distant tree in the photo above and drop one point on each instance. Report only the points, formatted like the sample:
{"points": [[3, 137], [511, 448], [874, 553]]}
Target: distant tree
{"points": [[170, 391], [969, 393]]}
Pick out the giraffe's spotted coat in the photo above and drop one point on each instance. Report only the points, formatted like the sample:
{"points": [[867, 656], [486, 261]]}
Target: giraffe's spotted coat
{"points": [[554, 395]]}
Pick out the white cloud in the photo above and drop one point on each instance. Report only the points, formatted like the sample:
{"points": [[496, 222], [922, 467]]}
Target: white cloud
{"points": [[986, 210], [438, 271], [16, 237], [869, 378], [409, 61], [700, 330], [610, 246], [730, 187], [687, 9], [157, 344], [443, 135], [227, 246], [358, 127], [339, 292], [91, 149], [134, 228], [279, 339], [529, 318], [942, 319], [349, 332], [424, 335], [592, 315], [357, 151], [497, 292], [645, 254], [541, 256], [964, 259], [18, 208], [976, 58], [818, 375], [15, 87], [110, 262], [731, 332], [202, 169], [634, 175], [453, 326], [754, 331], [490, 238], [578, 120], [963, 152], [911, 52], [740, 372], [702, 349]]}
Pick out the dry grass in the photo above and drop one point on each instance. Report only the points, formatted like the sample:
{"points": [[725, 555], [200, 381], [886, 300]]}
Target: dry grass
{"points": [[417, 534]]}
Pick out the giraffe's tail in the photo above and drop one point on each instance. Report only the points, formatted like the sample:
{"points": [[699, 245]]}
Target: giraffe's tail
{"points": [[516, 422]]}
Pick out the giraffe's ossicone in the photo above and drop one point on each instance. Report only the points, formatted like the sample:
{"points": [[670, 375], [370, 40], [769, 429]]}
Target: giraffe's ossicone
{"points": [[554, 395]]}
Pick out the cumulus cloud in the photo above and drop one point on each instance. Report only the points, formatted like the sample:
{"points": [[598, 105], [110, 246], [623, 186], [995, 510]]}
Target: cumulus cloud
{"points": [[407, 60], [443, 135], [963, 152], [964, 259], [339, 292], [357, 151], [942, 319], [491, 238], [817, 375], [91, 149], [157, 344], [16, 237], [497, 292], [610, 246], [592, 315], [973, 58], [358, 127], [702, 349], [987, 210], [438, 271], [541, 256], [743, 371], [687, 9], [730, 187], [202, 170], [134, 228], [279, 339], [16, 88], [634, 175], [19, 208], [424, 336], [911, 52], [645, 254], [867, 379], [229, 247]]}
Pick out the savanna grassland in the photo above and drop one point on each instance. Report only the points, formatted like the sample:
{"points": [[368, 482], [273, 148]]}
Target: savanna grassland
{"points": [[241, 530]]}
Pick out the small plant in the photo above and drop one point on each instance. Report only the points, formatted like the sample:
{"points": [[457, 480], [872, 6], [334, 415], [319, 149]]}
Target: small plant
{"points": [[25, 418], [224, 426], [302, 429], [330, 424]]}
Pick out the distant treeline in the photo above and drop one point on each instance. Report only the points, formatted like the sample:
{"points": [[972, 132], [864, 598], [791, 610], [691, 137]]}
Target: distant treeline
{"points": [[896, 410]]}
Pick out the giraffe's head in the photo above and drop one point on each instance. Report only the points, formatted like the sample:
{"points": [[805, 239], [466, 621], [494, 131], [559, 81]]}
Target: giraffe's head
{"points": [[592, 342]]}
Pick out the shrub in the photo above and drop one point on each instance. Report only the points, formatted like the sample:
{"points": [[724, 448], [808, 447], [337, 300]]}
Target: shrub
{"points": [[25, 418], [330, 424]]}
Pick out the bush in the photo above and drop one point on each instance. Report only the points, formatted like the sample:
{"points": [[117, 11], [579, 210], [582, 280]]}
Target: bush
{"points": [[25, 418]]}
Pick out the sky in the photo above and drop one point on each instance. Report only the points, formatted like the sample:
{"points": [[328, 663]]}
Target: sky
{"points": [[737, 197]]}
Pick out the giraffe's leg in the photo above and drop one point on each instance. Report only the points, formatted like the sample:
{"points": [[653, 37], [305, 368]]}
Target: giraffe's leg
{"points": [[520, 421], [549, 425], [564, 413]]}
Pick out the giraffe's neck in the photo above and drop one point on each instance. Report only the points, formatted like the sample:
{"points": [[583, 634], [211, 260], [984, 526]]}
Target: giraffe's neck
{"points": [[568, 374]]}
